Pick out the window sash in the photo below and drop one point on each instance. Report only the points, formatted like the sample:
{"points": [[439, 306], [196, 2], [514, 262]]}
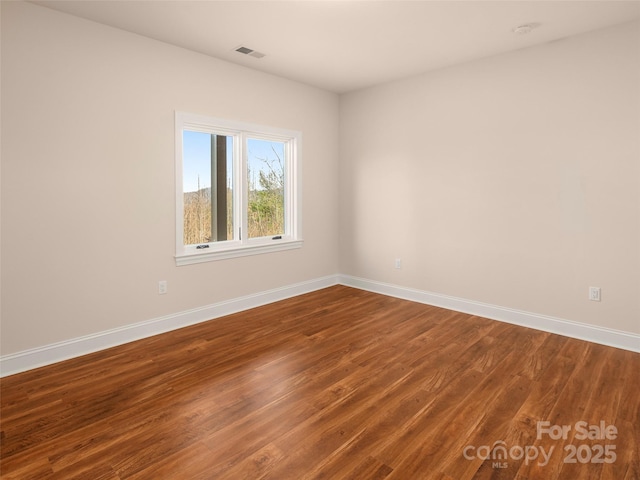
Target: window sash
{"points": [[241, 244]]}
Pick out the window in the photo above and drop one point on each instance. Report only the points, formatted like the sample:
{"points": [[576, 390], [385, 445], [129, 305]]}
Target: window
{"points": [[237, 189]]}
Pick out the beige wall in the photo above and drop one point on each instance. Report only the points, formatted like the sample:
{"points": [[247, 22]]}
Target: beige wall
{"points": [[88, 202], [512, 180]]}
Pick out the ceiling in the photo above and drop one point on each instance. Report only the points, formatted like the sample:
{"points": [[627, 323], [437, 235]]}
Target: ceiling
{"points": [[346, 45]]}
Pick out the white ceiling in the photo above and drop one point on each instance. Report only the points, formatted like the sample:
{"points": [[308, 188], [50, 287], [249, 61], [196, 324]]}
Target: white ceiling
{"points": [[346, 45]]}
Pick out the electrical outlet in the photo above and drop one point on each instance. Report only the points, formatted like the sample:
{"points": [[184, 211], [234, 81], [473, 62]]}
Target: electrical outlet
{"points": [[594, 294], [162, 287], [398, 263]]}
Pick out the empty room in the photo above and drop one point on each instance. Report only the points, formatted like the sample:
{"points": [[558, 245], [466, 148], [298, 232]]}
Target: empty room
{"points": [[320, 239]]}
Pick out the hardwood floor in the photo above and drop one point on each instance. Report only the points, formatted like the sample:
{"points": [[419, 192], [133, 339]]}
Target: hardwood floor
{"points": [[335, 384]]}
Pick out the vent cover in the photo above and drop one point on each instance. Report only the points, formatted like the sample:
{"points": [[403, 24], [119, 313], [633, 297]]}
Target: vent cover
{"points": [[250, 52]]}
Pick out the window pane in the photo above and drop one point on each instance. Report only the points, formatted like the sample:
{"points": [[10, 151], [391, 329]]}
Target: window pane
{"points": [[207, 186], [266, 171]]}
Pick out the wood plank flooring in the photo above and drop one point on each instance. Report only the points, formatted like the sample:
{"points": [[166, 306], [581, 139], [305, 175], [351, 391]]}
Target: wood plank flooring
{"points": [[336, 384]]}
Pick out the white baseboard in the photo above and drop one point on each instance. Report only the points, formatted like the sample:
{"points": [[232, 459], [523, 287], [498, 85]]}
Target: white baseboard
{"points": [[57, 352], [567, 328]]}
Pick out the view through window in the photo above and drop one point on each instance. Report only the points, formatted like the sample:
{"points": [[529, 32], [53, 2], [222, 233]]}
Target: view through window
{"points": [[238, 188]]}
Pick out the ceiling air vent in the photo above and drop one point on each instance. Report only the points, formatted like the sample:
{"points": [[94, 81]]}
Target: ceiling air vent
{"points": [[249, 51]]}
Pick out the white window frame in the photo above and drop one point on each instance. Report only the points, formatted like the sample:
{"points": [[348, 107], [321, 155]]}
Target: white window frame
{"points": [[240, 245]]}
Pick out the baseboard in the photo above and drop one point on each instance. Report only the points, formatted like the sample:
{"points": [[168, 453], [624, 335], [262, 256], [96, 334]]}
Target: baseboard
{"points": [[57, 352], [567, 328]]}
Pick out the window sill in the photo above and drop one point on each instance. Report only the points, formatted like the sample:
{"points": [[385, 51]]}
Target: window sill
{"points": [[213, 255]]}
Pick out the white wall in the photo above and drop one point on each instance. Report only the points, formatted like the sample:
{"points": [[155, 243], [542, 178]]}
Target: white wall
{"points": [[512, 180], [88, 194]]}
